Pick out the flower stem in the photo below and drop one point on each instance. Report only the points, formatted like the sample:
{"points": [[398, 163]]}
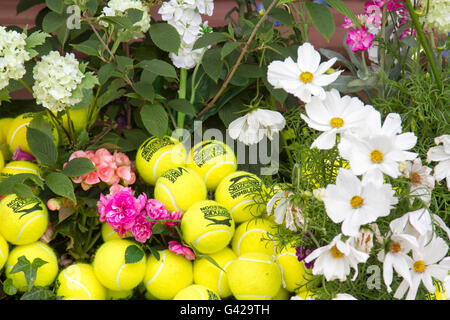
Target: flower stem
{"points": [[423, 41], [26, 86], [182, 95], [194, 75]]}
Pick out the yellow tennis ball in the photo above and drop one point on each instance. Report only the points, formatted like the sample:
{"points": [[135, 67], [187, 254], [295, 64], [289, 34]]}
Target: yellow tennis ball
{"points": [[157, 155], [305, 294], [4, 128], [179, 188], [108, 233], [17, 167], [17, 133], [237, 193], [254, 276], [254, 236], [23, 221], [46, 274], [213, 277], [282, 294], [208, 226], [2, 161], [4, 251], [165, 277], [212, 160], [79, 119], [110, 267], [196, 292], [294, 272], [78, 282], [118, 295]]}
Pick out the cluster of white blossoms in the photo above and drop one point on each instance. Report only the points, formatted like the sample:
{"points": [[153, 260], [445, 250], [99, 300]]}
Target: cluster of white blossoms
{"points": [[437, 15], [12, 56], [185, 17], [117, 8], [56, 77]]}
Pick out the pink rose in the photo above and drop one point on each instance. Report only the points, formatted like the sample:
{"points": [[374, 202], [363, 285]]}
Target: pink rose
{"points": [[105, 172], [177, 248], [121, 159], [359, 39], [142, 229]]}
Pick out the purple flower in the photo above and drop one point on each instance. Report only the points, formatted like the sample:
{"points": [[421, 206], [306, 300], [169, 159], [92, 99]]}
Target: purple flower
{"points": [[302, 253], [22, 155]]}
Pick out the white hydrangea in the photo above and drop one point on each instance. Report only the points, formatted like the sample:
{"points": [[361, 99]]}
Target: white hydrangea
{"points": [[186, 57], [12, 56], [118, 7], [438, 15], [56, 77]]}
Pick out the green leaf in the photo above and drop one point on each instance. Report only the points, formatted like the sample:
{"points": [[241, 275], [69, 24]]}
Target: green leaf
{"points": [[332, 54], [89, 47], [339, 6], [7, 184], [133, 254], [183, 106], [23, 191], [155, 253], [4, 95], [113, 92], [165, 37], [155, 119], [55, 5], [229, 47], [209, 39], [78, 167], [85, 101], [212, 63], [8, 287], [27, 4], [145, 90], [38, 293], [321, 18], [61, 185], [29, 269], [123, 22], [36, 39], [52, 21], [42, 147], [135, 15], [158, 67], [124, 63], [282, 15], [250, 71], [105, 72]]}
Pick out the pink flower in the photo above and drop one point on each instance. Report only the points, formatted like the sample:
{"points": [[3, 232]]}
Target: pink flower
{"points": [[177, 248], [142, 229], [359, 39], [156, 210], [47, 236], [104, 155], [115, 188], [22, 155], [54, 204], [124, 173], [348, 23], [121, 159], [78, 154], [176, 215], [105, 172]]}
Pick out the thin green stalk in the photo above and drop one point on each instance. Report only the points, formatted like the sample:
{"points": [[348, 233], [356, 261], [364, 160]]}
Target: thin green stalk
{"points": [[26, 86], [423, 41], [182, 95], [194, 75]]}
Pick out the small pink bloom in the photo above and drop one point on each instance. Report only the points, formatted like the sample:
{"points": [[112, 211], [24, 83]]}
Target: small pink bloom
{"points": [[348, 23], [121, 159], [47, 236], [176, 215], [22, 155], [142, 229], [177, 248], [54, 204], [105, 172], [156, 210], [124, 173], [92, 178], [359, 39], [115, 188], [104, 155], [78, 154]]}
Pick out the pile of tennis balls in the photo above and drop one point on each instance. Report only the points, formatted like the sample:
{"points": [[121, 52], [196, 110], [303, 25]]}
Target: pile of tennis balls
{"points": [[218, 220]]}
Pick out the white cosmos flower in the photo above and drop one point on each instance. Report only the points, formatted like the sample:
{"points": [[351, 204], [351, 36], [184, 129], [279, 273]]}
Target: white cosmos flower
{"points": [[379, 152], [446, 286], [396, 257], [336, 259], [333, 115], [422, 182], [251, 128], [355, 203], [442, 155], [428, 262], [285, 210], [344, 296], [304, 78]]}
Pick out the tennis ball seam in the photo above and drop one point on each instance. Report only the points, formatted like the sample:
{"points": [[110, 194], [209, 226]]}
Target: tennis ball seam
{"points": [[155, 166], [222, 272], [253, 295], [170, 195], [201, 293], [26, 224], [163, 260], [1, 253], [252, 230], [206, 233], [15, 131], [218, 164], [78, 283], [237, 205], [46, 250], [118, 276], [22, 168], [255, 260]]}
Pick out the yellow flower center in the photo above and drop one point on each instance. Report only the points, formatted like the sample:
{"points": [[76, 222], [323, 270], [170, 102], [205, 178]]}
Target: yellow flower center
{"points": [[376, 156], [415, 178], [336, 253], [356, 202], [419, 266], [337, 122], [306, 77], [395, 247]]}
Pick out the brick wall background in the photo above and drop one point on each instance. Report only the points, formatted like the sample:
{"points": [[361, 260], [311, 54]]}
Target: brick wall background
{"points": [[8, 17]]}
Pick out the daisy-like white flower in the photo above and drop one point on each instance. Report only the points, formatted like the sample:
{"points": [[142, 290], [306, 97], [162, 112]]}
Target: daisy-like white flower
{"points": [[428, 262], [416, 223], [364, 240], [285, 210], [344, 296], [251, 128], [395, 257], [336, 259], [442, 155], [379, 152], [446, 286], [422, 182], [304, 78], [334, 115], [355, 203]]}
